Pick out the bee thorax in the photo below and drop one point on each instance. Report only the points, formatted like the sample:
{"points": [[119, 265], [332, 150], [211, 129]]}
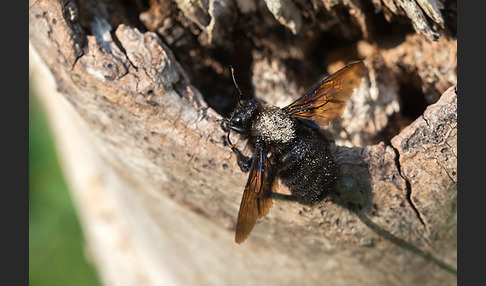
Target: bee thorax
{"points": [[274, 125]]}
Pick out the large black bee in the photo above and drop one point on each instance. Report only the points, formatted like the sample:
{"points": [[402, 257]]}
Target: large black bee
{"points": [[287, 145]]}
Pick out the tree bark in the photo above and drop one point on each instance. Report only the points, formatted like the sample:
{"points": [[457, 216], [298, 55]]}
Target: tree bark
{"points": [[133, 92]]}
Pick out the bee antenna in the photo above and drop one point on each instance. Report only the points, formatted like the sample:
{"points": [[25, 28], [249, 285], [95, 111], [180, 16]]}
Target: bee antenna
{"points": [[234, 81]]}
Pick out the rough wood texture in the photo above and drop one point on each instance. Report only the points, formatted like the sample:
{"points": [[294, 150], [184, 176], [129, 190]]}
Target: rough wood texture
{"points": [[134, 89]]}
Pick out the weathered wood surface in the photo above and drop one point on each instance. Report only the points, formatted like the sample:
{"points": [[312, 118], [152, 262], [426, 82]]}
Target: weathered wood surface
{"points": [[157, 189]]}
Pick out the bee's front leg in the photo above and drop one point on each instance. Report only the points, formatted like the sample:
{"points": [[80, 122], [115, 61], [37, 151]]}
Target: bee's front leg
{"points": [[244, 162]]}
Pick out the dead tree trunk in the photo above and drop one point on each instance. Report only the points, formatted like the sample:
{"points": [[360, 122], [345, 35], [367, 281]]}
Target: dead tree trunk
{"points": [[133, 91]]}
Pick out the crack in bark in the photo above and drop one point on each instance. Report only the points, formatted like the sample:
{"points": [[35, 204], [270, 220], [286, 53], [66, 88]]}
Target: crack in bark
{"points": [[408, 187], [76, 60], [120, 46]]}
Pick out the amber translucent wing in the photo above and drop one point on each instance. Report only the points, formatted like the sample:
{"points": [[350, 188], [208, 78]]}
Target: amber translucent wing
{"points": [[257, 200], [327, 101]]}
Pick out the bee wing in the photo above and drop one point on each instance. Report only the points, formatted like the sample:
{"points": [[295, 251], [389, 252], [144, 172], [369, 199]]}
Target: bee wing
{"points": [[327, 101], [257, 200]]}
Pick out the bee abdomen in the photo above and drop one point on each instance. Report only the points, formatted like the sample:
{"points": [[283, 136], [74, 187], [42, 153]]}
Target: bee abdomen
{"points": [[309, 171]]}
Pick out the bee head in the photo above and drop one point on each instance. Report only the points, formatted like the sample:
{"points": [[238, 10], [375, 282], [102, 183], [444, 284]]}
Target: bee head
{"points": [[244, 113], [241, 119]]}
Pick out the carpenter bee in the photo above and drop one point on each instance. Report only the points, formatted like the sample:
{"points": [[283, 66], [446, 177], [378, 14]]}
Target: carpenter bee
{"points": [[288, 146]]}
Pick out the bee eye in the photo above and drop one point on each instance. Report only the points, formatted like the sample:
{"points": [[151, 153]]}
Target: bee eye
{"points": [[237, 120]]}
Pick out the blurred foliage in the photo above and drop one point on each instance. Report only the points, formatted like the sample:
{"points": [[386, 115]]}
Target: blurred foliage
{"points": [[56, 247]]}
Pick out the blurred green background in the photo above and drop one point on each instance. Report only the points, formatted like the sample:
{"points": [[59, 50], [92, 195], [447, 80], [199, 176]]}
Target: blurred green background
{"points": [[56, 247]]}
